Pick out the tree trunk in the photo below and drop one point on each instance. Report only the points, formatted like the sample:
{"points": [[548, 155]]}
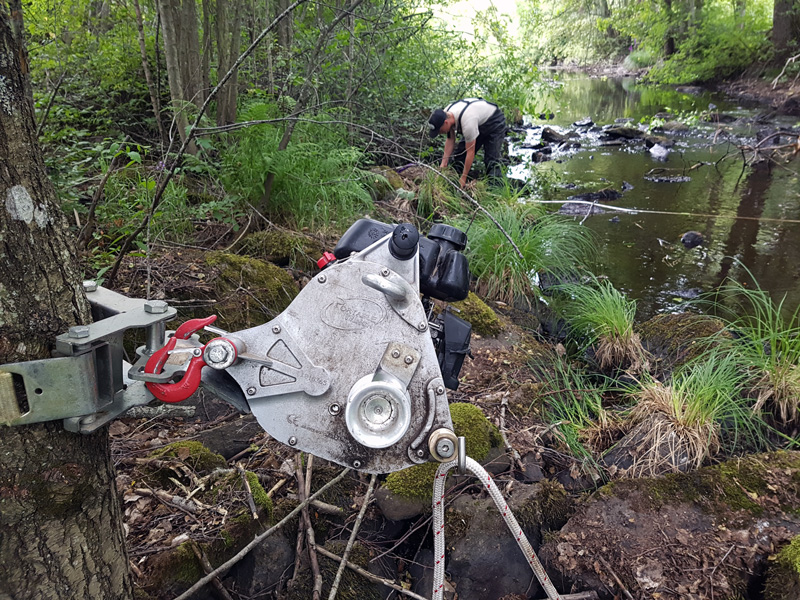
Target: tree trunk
{"points": [[154, 100], [785, 28], [60, 524], [228, 47], [182, 53]]}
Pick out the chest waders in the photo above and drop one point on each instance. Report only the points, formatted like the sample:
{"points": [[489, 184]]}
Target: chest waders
{"points": [[491, 134]]}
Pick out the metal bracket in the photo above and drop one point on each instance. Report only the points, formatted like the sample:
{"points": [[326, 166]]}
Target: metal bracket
{"points": [[86, 384]]}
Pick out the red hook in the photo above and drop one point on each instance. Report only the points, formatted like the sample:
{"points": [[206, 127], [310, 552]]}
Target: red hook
{"points": [[188, 384]]}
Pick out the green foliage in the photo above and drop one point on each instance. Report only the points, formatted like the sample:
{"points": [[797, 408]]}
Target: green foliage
{"points": [[638, 59], [547, 242], [318, 180]]}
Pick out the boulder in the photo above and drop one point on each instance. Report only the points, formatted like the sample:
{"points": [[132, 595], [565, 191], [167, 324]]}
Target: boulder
{"points": [[585, 122], [680, 536], [628, 133], [672, 340], [552, 136]]}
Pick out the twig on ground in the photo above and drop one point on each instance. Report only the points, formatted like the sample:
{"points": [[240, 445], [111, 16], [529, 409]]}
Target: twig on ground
{"points": [[617, 579], [351, 541], [207, 568], [367, 575], [259, 538], [515, 455], [276, 487], [250, 502], [303, 485]]}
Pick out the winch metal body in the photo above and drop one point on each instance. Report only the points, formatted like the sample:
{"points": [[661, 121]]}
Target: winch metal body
{"points": [[373, 402]]}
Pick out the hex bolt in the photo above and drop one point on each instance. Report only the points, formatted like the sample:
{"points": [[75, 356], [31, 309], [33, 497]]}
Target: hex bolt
{"points": [[79, 331], [334, 409], [445, 448], [292, 441], [356, 464], [322, 278], [251, 391], [385, 272], [276, 329], [408, 360], [217, 354], [395, 353], [422, 326], [89, 286], [440, 390], [155, 307]]}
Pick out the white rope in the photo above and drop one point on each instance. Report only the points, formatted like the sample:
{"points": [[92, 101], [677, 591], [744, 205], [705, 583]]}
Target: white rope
{"points": [[513, 526]]}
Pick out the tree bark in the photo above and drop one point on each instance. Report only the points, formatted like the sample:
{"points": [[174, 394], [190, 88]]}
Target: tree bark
{"points": [[60, 524], [154, 100], [785, 28], [228, 48]]}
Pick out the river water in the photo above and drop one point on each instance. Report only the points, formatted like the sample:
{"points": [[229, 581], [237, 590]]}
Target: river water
{"points": [[744, 213]]}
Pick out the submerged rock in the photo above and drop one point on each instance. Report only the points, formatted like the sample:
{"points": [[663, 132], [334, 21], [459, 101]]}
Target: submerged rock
{"points": [[672, 340], [659, 152], [668, 178], [692, 239], [680, 536], [579, 209], [604, 195]]}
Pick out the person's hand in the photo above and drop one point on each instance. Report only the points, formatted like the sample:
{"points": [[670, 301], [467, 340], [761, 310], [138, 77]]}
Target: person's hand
{"points": [[443, 165], [463, 181]]}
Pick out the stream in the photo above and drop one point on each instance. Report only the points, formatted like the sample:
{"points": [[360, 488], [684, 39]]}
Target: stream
{"points": [[750, 214]]}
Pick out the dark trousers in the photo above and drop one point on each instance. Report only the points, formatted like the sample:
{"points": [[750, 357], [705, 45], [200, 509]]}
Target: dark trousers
{"points": [[490, 137]]}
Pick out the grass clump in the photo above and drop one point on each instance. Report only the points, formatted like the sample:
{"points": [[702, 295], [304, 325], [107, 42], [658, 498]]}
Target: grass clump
{"points": [[601, 315], [546, 241], [766, 338], [699, 414]]}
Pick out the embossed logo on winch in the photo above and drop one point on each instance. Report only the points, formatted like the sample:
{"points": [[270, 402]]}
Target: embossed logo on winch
{"points": [[353, 314]]}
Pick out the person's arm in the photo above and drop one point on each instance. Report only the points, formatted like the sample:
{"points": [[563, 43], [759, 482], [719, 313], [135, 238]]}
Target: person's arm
{"points": [[449, 144], [468, 162]]}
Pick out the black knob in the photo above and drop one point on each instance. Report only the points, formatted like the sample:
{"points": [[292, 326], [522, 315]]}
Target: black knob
{"points": [[403, 244], [447, 233]]}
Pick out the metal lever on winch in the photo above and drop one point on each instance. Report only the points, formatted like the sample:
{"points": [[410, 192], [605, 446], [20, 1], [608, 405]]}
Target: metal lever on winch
{"points": [[188, 384]]}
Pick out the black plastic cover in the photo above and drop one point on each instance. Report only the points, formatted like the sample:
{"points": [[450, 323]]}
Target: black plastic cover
{"points": [[453, 347]]}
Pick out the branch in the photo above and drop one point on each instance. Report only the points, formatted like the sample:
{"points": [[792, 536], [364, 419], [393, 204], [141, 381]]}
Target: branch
{"points": [[789, 61], [40, 127], [258, 539]]}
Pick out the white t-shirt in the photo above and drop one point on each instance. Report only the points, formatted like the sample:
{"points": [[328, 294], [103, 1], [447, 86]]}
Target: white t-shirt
{"points": [[471, 116]]}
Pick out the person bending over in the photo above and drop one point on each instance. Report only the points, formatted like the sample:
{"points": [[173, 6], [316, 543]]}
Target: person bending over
{"points": [[481, 124]]}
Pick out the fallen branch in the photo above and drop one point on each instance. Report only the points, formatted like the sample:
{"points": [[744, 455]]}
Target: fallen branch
{"points": [[207, 568], [303, 487], [258, 539], [367, 575], [250, 502], [617, 579], [508, 447], [351, 541], [789, 61]]}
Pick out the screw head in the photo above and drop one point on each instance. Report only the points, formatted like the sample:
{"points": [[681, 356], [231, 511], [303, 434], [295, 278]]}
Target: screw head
{"points": [[79, 332], [422, 326], [445, 448], [408, 360], [217, 354], [276, 329], [89, 286], [322, 278], [440, 390], [395, 353], [155, 307], [292, 441], [356, 464], [420, 453], [251, 391], [334, 409], [385, 272]]}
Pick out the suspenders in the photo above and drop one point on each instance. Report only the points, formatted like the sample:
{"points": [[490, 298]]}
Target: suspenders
{"points": [[461, 114]]}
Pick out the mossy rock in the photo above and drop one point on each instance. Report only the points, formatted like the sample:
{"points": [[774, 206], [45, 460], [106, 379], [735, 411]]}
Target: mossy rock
{"points": [[674, 340], [268, 290], [383, 182], [483, 319], [416, 483], [783, 577], [282, 248], [548, 508], [193, 453]]}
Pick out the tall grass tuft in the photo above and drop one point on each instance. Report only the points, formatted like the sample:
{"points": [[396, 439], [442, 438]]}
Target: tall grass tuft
{"points": [[699, 414], [603, 316], [548, 243], [766, 337], [318, 180]]}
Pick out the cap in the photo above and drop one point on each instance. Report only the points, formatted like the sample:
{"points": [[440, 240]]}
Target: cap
{"points": [[436, 121]]}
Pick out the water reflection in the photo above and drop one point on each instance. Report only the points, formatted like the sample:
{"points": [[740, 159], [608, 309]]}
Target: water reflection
{"points": [[742, 213]]}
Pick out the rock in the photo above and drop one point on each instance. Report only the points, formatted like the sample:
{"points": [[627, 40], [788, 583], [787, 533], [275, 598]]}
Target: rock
{"points": [[498, 461], [604, 195], [540, 145], [397, 508], [552, 136], [668, 178], [692, 239], [791, 106], [626, 186], [716, 117], [282, 248], [577, 210], [623, 120], [676, 126], [475, 311], [679, 535], [612, 143], [658, 140], [264, 566], [673, 340], [692, 90], [659, 152], [484, 560], [628, 133], [532, 468], [614, 220], [228, 439], [585, 122]]}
